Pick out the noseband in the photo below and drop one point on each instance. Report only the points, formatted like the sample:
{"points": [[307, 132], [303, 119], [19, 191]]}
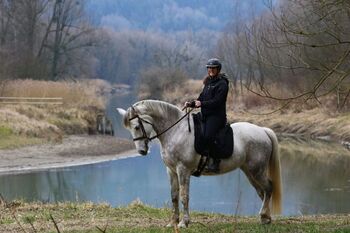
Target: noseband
{"points": [[144, 134]]}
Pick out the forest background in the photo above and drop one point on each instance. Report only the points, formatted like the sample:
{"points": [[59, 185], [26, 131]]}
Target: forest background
{"points": [[287, 61], [280, 56]]}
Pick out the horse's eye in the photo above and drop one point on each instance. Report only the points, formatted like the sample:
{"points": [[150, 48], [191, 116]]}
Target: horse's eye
{"points": [[137, 127]]}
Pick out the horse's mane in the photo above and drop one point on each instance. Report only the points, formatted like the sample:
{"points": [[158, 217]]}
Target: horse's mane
{"points": [[156, 108], [152, 108]]}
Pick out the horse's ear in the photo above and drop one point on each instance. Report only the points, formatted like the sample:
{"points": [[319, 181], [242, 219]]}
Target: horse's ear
{"points": [[121, 111]]}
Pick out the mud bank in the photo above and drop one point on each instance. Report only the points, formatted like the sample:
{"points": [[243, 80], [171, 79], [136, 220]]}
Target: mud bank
{"points": [[74, 150]]}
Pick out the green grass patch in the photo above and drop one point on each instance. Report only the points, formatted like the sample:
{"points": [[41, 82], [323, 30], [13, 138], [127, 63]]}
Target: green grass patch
{"points": [[17, 141], [139, 218], [5, 131]]}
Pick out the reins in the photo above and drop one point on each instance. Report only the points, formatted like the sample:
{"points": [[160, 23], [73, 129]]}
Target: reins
{"points": [[144, 136]]}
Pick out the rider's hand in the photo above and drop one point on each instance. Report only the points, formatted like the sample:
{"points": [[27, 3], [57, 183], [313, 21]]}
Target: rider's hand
{"points": [[187, 104], [192, 104]]}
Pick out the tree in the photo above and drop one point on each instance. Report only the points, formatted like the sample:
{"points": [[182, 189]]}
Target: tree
{"points": [[303, 45], [66, 32], [316, 34], [7, 10], [44, 39], [27, 19]]}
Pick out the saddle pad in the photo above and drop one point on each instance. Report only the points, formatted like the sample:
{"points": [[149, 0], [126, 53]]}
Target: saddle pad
{"points": [[222, 147]]}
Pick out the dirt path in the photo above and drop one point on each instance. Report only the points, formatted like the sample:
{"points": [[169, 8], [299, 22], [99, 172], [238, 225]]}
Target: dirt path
{"points": [[74, 150]]}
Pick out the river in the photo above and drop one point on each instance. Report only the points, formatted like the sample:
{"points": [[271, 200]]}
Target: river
{"points": [[315, 176], [316, 180]]}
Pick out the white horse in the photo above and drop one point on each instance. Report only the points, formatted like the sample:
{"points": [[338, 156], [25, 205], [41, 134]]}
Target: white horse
{"points": [[255, 153]]}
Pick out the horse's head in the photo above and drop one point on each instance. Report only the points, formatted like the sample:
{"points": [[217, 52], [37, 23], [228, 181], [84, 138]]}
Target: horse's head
{"points": [[140, 127]]}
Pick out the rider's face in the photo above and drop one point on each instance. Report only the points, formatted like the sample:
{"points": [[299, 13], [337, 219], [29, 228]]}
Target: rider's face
{"points": [[212, 71]]}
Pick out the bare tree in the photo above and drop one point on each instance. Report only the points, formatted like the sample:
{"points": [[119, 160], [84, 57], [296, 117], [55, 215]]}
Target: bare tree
{"points": [[44, 39], [7, 10], [233, 47], [6, 16], [316, 34], [66, 32], [303, 45], [27, 27]]}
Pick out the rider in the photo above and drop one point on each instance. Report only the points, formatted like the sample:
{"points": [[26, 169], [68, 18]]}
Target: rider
{"points": [[212, 101]]}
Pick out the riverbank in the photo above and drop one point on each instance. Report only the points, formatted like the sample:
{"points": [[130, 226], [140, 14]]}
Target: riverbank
{"points": [[313, 124], [73, 150], [307, 119], [28, 116], [137, 217]]}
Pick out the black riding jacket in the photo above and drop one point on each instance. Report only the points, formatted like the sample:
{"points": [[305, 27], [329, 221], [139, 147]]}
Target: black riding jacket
{"points": [[213, 96]]}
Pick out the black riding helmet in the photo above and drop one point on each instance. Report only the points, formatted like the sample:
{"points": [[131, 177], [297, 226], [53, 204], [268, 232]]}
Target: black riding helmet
{"points": [[214, 63]]}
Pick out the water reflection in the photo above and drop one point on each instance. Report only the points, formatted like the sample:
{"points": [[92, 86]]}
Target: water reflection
{"points": [[312, 184], [119, 101], [315, 177]]}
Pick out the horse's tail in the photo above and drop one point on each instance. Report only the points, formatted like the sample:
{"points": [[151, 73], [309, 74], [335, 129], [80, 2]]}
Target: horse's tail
{"points": [[275, 174]]}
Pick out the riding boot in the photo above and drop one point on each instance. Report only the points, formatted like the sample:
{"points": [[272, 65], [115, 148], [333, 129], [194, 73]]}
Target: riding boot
{"points": [[206, 153], [214, 166]]}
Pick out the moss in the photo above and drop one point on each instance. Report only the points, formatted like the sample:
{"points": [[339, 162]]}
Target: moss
{"points": [[5, 131], [16, 141]]}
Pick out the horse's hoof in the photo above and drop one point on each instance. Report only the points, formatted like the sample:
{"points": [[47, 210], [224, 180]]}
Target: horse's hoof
{"points": [[265, 219], [172, 224], [169, 225], [183, 224]]}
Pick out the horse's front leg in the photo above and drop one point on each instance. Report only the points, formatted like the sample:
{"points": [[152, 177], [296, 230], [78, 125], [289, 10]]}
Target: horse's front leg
{"points": [[174, 183], [184, 180]]}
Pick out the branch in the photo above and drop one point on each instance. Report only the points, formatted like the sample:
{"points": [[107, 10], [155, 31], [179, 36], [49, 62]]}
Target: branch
{"points": [[54, 222], [346, 97], [278, 98], [19, 224], [325, 77]]}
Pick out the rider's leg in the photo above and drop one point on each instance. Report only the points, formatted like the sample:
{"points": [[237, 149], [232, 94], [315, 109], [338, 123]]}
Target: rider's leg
{"points": [[212, 125], [214, 166]]}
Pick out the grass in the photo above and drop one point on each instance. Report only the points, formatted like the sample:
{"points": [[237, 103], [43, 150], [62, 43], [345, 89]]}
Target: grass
{"points": [[308, 119], [11, 141], [314, 123], [24, 124], [83, 100], [77, 93], [87, 217]]}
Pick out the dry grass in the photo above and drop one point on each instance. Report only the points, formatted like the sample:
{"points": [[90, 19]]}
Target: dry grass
{"points": [[314, 123], [81, 102], [237, 99], [180, 94], [81, 93], [303, 118], [21, 124]]}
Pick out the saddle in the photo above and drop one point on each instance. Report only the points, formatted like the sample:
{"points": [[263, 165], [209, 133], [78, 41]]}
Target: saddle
{"points": [[222, 147]]}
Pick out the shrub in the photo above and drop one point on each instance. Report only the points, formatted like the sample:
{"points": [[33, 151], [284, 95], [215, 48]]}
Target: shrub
{"points": [[155, 81]]}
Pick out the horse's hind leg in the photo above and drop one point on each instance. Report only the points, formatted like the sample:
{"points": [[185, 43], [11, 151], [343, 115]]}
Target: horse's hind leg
{"points": [[174, 183], [263, 186]]}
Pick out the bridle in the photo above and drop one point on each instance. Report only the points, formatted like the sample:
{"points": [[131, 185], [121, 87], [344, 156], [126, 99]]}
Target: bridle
{"points": [[144, 134]]}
